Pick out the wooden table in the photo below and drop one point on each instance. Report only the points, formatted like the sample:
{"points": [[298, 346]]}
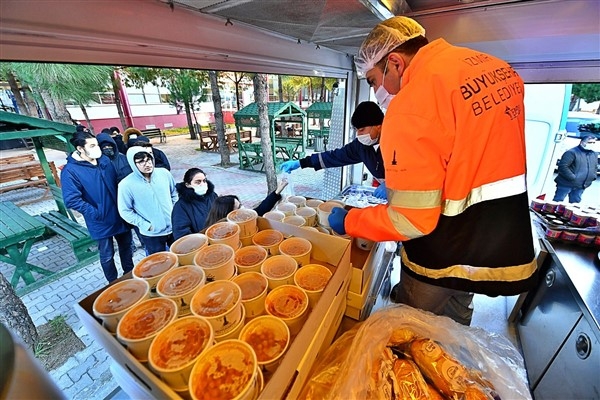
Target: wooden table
{"points": [[229, 137], [18, 232]]}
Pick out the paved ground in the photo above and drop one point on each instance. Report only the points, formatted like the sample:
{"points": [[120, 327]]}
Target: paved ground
{"points": [[86, 375]]}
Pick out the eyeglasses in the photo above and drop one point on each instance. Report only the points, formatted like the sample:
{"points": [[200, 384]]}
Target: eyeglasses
{"points": [[144, 161]]}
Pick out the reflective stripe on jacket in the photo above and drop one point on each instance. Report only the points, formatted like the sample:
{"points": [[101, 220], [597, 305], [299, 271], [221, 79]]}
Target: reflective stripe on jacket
{"points": [[454, 153]]}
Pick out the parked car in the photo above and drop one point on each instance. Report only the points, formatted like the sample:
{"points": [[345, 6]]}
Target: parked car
{"points": [[580, 124]]}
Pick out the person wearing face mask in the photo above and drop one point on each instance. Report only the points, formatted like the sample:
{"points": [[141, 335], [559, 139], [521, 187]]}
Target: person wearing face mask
{"points": [[453, 146], [89, 186], [576, 170], [196, 196], [367, 120], [223, 205], [146, 198], [110, 149]]}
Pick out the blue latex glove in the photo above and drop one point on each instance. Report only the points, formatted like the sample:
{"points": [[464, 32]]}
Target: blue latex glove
{"points": [[380, 191], [336, 220], [289, 166]]}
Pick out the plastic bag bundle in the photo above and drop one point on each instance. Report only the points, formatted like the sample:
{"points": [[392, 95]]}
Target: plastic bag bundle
{"points": [[362, 363]]}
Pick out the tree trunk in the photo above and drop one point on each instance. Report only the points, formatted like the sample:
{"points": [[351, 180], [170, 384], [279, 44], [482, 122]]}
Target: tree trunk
{"points": [[322, 95], [261, 96], [280, 87], [87, 118], [116, 85], [14, 87], [188, 114], [32, 105], [56, 108], [216, 97], [238, 101], [15, 316]]}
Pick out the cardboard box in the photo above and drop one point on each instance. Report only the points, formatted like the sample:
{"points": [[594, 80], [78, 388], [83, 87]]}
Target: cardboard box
{"points": [[359, 304], [315, 337]]}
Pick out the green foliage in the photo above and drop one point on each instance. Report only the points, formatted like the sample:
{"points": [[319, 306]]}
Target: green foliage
{"points": [[590, 92], [41, 349], [59, 324]]}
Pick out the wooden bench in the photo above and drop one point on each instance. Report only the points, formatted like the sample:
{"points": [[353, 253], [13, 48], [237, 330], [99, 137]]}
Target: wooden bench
{"points": [[78, 236], [155, 133], [21, 174]]}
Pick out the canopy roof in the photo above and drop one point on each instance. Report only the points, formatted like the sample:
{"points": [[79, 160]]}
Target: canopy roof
{"points": [[319, 109], [17, 126], [248, 116]]}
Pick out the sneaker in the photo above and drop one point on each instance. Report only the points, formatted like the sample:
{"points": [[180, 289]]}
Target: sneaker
{"points": [[395, 293]]}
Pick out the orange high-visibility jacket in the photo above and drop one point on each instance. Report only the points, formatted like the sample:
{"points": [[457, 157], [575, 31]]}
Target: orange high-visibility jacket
{"points": [[454, 152]]}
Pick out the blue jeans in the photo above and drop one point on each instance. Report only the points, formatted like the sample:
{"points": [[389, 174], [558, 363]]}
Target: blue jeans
{"points": [[154, 244], [573, 192], [107, 253]]}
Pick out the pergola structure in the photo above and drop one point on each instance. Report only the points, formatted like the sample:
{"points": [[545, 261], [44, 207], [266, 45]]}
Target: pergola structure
{"points": [[44, 133], [284, 146], [319, 134]]}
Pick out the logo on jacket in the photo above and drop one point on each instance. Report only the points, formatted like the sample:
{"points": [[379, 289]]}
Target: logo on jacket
{"points": [[513, 112]]}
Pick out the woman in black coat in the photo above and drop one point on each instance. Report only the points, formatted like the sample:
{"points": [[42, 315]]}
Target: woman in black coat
{"points": [[196, 196]]}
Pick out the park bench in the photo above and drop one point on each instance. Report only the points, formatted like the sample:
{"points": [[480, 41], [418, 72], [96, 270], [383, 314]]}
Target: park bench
{"points": [[78, 236], [155, 133], [24, 171]]}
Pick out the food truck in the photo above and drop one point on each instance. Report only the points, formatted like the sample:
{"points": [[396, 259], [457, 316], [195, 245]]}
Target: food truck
{"points": [[551, 44]]}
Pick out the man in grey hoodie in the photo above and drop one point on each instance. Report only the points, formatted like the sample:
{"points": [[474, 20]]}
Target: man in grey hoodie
{"points": [[146, 198]]}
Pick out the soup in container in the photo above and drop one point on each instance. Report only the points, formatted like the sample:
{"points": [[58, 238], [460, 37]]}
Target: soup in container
{"points": [[220, 302], [140, 325], [224, 233], [312, 278], [117, 299], [313, 203], [234, 332], [279, 270], [269, 239], [274, 215], [187, 246], [294, 220], [247, 240], [287, 208], [245, 218], [324, 210], [269, 337], [298, 201], [153, 267], [176, 348], [250, 258], [217, 262], [180, 285], [309, 214], [290, 303], [297, 248], [254, 291], [227, 370]]}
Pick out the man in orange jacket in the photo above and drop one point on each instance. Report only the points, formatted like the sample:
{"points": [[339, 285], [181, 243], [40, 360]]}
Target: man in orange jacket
{"points": [[453, 147]]}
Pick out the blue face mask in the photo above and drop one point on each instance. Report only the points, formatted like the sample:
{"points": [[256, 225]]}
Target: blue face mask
{"points": [[201, 189]]}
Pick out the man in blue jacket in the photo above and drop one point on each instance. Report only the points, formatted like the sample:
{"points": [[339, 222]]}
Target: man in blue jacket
{"points": [[89, 186], [367, 120], [146, 198], [110, 149]]}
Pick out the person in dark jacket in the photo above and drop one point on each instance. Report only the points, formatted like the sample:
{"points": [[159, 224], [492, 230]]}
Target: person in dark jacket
{"points": [[223, 205], [196, 196], [367, 120], [110, 150], [115, 133], [576, 170], [160, 158], [89, 186]]}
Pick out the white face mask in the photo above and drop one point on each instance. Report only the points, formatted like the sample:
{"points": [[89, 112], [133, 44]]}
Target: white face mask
{"points": [[94, 152], [367, 140], [588, 145], [201, 189], [381, 94]]}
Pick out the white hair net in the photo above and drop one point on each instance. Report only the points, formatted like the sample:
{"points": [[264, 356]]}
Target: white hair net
{"points": [[384, 38]]}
